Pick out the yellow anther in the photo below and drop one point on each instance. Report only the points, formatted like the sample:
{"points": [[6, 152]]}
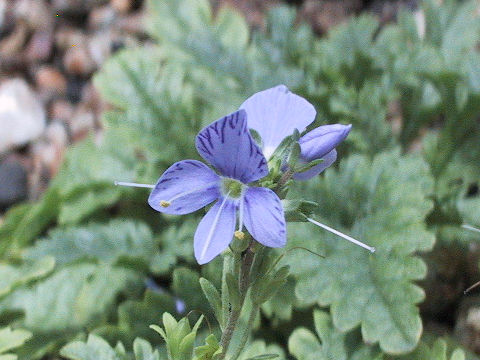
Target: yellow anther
{"points": [[164, 203], [239, 234]]}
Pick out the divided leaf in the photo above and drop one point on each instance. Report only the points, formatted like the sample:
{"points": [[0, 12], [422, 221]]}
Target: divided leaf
{"points": [[371, 290], [120, 239], [11, 339], [328, 343]]}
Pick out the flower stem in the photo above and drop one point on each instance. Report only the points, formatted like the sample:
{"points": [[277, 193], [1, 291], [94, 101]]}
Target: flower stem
{"points": [[243, 282]]}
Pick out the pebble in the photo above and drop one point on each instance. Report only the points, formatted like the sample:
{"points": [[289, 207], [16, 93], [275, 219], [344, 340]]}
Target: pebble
{"points": [[121, 6], [101, 17], [100, 47], [22, 116], [77, 61], [325, 14], [13, 183], [35, 13], [50, 82], [39, 47], [67, 37], [61, 110], [12, 44], [132, 24], [82, 123]]}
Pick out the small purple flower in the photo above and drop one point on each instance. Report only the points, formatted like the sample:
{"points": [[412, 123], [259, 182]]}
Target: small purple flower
{"points": [[189, 185], [275, 113]]}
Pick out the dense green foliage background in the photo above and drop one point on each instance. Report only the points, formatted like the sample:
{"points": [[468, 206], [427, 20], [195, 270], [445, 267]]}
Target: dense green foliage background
{"points": [[90, 265]]}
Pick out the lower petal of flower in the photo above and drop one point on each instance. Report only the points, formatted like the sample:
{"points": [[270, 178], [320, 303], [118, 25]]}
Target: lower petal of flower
{"points": [[264, 217], [185, 187], [215, 231]]}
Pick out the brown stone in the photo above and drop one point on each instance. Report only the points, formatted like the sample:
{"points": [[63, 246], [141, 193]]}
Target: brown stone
{"points": [[13, 44], [101, 17], [67, 37], [77, 61], [61, 110], [35, 13], [50, 81], [324, 14], [121, 6]]}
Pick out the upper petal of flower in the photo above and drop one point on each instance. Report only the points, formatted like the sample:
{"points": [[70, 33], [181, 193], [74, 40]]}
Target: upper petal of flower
{"points": [[328, 160], [186, 186], [275, 113], [215, 231], [320, 141], [228, 145], [264, 217]]}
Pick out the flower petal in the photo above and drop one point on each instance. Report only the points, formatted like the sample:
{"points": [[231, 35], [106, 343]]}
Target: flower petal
{"points": [[215, 231], [228, 145], [264, 217], [275, 113], [184, 187], [328, 160], [320, 141]]}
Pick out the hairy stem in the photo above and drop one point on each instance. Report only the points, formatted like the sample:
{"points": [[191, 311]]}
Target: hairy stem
{"points": [[243, 284]]}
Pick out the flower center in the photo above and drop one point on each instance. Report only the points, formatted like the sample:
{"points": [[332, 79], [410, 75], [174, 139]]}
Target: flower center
{"points": [[232, 187]]}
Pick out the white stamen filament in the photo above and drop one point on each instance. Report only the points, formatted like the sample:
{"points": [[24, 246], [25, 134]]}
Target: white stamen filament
{"points": [[469, 227], [240, 214], [121, 183], [214, 225], [346, 237]]}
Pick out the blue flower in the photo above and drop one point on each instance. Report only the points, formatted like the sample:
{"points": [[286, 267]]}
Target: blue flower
{"points": [[189, 185], [275, 113]]}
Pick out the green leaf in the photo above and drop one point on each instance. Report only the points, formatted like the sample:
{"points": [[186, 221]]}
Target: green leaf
{"points": [[143, 350], [134, 317], [259, 347], [437, 351], [186, 287], [94, 349], [72, 298], [155, 94], [89, 163], [25, 223], [14, 276], [328, 343], [280, 306], [214, 299], [209, 350], [11, 339], [176, 245], [371, 290], [120, 239]]}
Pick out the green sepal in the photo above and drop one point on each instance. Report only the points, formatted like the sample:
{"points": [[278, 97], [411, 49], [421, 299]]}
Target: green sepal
{"points": [[282, 152], [298, 210], [213, 297], [233, 292], [308, 166], [294, 155]]}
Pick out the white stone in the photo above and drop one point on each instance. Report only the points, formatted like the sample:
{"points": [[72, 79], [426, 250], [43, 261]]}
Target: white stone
{"points": [[22, 116]]}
